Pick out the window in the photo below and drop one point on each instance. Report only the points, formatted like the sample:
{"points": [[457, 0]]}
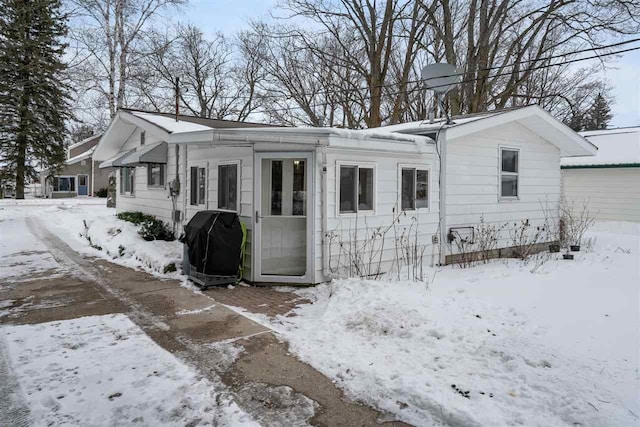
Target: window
{"points": [[228, 187], [143, 137], [155, 175], [356, 188], [414, 188], [197, 186], [64, 183], [127, 176], [509, 166]]}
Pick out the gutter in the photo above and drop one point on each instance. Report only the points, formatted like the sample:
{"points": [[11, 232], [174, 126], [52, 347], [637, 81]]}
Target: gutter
{"points": [[609, 166]]}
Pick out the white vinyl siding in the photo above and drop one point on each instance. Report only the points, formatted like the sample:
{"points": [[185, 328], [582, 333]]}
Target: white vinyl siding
{"points": [[612, 194], [473, 178]]}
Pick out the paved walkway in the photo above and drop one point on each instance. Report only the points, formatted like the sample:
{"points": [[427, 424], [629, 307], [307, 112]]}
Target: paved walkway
{"points": [[257, 299], [265, 379]]}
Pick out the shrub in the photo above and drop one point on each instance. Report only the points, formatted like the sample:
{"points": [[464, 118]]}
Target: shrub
{"points": [[170, 268], [136, 218], [102, 192], [154, 229]]}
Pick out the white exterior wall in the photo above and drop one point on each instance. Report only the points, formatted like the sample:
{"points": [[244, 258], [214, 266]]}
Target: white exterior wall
{"points": [[387, 197], [210, 157], [473, 178], [152, 201], [612, 194]]}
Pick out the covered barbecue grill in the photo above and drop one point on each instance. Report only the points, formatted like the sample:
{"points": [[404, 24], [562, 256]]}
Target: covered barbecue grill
{"points": [[213, 248]]}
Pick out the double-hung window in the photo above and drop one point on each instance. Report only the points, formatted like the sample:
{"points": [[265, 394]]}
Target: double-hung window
{"points": [[509, 167], [198, 185], [356, 183], [228, 186], [155, 175], [127, 176], [414, 188]]}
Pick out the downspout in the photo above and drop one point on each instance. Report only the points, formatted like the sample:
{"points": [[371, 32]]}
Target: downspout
{"points": [[92, 176], [325, 214], [441, 143]]}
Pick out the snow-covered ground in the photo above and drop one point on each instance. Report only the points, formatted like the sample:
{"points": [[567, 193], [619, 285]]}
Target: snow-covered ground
{"points": [[104, 370], [495, 344], [112, 239]]}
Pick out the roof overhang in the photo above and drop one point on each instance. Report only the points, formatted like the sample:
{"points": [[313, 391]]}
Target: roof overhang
{"points": [[538, 121], [115, 161], [120, 129], [87, 154], [152, 153]]}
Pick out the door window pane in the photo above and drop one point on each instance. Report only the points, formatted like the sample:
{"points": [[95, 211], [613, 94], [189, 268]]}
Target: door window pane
{"points": [[422, 189], [299, 193], [408, 189], [276, 187], [82, 180], [509, 161], [365, 189], [509, 186]]}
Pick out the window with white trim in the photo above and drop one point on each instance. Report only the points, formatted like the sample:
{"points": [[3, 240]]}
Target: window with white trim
{"points": [[228, 186], [509, 167], [414, 188], [64, 183], [198, 186], [127, 176], [155, 175], [356, 192]]}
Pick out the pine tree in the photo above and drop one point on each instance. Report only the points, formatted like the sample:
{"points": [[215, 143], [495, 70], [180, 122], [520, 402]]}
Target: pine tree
{"points": [[576, 121], [34, 100], [599, 114]]}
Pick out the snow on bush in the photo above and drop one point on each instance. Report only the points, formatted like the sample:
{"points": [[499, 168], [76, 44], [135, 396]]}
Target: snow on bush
{"points": [[120, 241]]}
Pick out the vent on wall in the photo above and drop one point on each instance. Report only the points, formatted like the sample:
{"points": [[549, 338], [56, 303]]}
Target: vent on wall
{"points": [[143, 134]]}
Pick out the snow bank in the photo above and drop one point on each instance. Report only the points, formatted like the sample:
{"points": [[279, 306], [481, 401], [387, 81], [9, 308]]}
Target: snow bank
{"points": [[491, 345], [104, 370]]}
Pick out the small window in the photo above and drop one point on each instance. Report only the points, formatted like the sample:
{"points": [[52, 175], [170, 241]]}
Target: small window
{"points": [[155, 175], [143, 137], [414, 188], [509, 167], [127, 176], [197, 186], [356, 188], [228, 187]]}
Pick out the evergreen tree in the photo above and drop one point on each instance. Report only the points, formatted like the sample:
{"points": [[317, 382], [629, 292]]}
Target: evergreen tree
{"points": [[34, 100], [576, 121], [599, 114]]}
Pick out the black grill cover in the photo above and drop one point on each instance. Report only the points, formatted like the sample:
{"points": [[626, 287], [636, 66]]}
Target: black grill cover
{"points": [[222, 232]]}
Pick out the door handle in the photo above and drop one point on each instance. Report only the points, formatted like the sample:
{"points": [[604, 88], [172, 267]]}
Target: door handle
{"points": [[257, 217]]}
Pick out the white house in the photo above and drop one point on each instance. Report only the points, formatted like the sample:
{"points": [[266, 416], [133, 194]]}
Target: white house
{"points": [[297, 189], [609, 181], [503, 166]]}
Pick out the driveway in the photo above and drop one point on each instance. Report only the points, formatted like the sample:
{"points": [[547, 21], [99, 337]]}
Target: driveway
{"points": [[263, 379]]}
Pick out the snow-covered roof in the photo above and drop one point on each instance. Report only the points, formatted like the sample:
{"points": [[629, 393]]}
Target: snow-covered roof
{"points": [[170, 124], [533, 117], [615, 147], [81, 156]]}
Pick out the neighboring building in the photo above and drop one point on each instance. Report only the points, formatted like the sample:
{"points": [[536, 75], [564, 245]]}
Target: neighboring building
{"points": [[295, 187], [80, 175], [608, 182]]}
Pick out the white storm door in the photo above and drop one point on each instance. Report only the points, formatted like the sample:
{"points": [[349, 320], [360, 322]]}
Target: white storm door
{"points": [[284, 217]]}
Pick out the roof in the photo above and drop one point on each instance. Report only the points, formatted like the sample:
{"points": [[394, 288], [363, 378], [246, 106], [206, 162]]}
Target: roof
{"points": [[81, 156], [616, 147], [187, 123], [84, 141], [533, 117], [162, 125]]}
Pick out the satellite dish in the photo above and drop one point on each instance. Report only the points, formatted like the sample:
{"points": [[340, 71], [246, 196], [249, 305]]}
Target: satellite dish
{"points": [[440, 78]]}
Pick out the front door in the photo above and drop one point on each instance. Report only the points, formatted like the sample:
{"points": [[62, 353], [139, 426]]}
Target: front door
{"points": [[283, 217], [83, 185]]}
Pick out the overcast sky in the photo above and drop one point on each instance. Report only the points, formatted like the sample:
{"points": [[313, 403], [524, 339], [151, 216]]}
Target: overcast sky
{"points": [[231, 16]]}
